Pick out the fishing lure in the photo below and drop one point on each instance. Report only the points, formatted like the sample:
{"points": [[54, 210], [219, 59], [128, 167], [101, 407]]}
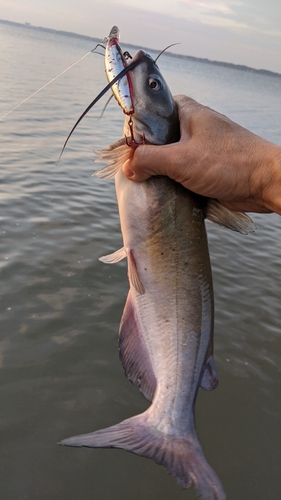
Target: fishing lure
{"points": [[117, 70], [115, 61]]}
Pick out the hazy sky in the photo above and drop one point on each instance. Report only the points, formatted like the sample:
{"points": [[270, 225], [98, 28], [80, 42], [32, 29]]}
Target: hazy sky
{"points": [[242, 32]]}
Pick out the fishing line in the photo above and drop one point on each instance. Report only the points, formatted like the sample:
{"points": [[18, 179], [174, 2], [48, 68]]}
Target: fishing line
{"points": [[46, 84]]}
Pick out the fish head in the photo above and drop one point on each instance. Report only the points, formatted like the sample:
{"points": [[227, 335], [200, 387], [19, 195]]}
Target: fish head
{"points": [[155, 112]]}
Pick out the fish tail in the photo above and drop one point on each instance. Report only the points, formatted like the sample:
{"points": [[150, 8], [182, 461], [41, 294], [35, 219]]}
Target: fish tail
{"points": [[182, 457]]}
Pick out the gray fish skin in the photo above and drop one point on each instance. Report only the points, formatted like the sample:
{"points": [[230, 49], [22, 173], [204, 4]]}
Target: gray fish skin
{"points": [[165, 338], [165, 233]]}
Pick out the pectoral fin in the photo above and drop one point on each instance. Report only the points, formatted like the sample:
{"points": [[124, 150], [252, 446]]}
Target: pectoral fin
{"points": [[115, 156], [237, 221], [114, 257]]}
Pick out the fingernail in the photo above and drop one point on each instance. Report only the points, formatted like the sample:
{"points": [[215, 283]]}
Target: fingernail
{"points": [[127, 170]]}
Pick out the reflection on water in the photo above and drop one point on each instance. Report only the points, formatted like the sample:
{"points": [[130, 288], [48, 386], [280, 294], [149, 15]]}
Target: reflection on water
{"points": [[60, 307]]}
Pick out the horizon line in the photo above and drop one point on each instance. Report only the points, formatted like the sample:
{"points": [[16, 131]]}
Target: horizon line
{"points": [[241, 67]]}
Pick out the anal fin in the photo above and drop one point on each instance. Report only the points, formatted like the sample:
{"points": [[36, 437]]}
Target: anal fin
{"points": [[133, 353]]}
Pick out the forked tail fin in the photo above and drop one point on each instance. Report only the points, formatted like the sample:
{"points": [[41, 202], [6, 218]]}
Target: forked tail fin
{"points": [[182, 456]]}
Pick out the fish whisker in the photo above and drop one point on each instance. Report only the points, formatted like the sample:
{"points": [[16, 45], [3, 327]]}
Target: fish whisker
{"points": [[108, 86], [160, 54], [104, 108]]}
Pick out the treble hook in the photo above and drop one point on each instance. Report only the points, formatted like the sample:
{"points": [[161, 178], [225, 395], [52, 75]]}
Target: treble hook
{"points": [[130, 141]]}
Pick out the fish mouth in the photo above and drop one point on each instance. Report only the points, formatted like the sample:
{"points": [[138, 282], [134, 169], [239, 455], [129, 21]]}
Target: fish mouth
{"points": [[138, 55]]}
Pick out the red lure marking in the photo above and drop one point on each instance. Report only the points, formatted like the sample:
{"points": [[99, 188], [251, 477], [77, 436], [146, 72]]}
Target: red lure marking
{"points": [[131, 142]]}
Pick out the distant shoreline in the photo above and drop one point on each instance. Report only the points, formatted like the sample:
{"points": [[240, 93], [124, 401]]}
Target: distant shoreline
{"points": [[240, 67]]}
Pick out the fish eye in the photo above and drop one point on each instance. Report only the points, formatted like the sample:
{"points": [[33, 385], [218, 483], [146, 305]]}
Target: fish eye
{"points": [[154, 84]]}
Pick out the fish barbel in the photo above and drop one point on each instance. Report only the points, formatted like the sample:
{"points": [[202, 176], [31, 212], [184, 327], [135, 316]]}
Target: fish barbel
{"points": [[166, 331]]}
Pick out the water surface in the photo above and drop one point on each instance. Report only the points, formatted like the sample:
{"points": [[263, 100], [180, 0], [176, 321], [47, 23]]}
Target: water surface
{"points": [[60, 307]]}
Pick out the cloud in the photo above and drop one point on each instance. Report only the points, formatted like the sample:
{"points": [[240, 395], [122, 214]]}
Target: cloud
{"points": [[243, 32], [206, 5], [253, 14]]}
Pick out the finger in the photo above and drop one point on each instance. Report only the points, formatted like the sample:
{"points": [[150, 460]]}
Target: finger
{"points": [[183, 100], [148, 161], [187, 105]]}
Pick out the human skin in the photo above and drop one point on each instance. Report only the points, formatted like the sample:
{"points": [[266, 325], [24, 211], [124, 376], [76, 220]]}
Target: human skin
{"points": [[216, 158]]}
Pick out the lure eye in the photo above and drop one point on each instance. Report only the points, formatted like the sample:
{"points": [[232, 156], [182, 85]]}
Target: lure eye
{"points": [[154, 84]]}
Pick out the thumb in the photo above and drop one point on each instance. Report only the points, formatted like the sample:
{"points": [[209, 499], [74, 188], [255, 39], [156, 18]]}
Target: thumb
{"points": [[147, 161]]}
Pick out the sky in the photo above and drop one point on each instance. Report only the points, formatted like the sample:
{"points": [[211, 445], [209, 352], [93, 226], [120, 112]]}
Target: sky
{"points": [[237, 31]]}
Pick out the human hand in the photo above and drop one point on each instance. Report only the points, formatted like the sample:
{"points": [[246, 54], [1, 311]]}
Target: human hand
{"points": [[216, 158]]}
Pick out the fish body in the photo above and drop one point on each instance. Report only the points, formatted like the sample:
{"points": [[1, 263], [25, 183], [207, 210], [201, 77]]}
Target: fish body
{"points": [[166, 331], [171, 301]]}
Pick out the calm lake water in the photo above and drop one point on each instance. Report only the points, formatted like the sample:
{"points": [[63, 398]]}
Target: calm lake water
{"points": [[60, 307]]}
